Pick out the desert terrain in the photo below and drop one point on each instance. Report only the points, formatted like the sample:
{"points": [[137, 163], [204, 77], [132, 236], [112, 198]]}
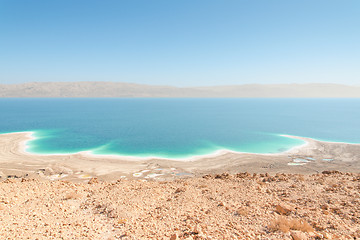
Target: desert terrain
{"points": [[219, 206]]}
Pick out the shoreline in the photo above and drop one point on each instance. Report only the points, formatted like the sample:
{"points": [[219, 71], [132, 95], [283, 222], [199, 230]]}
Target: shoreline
{"points": [[311, 157], [89, 153]]}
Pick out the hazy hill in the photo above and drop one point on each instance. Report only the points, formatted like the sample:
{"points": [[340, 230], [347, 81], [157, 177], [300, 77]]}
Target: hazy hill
{"points": [[116, 89]]}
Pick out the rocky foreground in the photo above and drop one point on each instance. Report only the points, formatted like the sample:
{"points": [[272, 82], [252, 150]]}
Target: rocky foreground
{"points": [[240, 206]]}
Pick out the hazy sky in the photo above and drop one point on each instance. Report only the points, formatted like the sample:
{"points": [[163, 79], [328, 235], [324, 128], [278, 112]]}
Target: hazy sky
{"points": [[181, 43]]}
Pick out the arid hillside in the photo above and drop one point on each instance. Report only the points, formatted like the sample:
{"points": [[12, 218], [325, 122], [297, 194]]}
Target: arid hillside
{"points": [[223, 206], [118, 89]]}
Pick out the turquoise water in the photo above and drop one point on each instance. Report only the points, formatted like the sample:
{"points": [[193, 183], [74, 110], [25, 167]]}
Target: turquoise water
{"points": [[178, 128]]}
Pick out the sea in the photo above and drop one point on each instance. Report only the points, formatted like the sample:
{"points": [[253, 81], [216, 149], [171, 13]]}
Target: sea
{"points": [[177, 128]]}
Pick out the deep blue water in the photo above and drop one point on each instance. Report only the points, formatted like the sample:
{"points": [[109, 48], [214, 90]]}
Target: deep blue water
{"points": [[178, 128]]}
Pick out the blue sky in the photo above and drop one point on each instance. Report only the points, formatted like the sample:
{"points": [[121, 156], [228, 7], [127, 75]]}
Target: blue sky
{"points": [[180, 43]]}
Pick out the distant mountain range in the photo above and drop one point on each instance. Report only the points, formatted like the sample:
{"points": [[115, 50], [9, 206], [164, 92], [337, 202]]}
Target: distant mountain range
{"points": [[117, 89]]}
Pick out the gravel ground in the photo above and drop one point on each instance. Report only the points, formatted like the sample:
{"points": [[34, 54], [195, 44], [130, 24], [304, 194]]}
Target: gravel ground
{"points": [[223, 206]]}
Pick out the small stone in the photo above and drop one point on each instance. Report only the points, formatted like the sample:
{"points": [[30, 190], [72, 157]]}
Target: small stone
{"points": [[174, 237], [9, 180], [179, 190], [48, 171], [284, 209], [327, 236], [197, 229], [297, 235], [324, 207], [312, 234], [65, 170], [93, 180]]}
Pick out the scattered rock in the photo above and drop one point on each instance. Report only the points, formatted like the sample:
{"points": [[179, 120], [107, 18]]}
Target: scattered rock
{"points": [[227, 209], [327, 235], [223, 176], [297, 235], [174, 237], [243, 175], [284, 209], [242, 211], [324, 207], [48, 171], [93, 180], [9, 180], [179, 190], [331, 172], [64, 170], [72, 195], [197, 229]]}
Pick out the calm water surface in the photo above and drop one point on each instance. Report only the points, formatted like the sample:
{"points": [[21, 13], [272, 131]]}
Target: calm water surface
{"points": [[177, 128]]}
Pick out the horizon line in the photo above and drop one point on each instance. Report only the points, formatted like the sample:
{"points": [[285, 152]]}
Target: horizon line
{"points": [[175, 86]]}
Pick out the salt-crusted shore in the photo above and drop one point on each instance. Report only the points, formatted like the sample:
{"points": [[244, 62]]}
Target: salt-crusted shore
{"points": [[311, 157]]}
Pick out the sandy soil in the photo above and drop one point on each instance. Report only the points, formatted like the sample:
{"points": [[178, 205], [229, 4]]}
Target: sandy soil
{"points": [[241, 206], [312, 157]]}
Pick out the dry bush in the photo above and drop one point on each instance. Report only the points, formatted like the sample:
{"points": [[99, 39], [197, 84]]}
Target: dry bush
{"points": [[301, 178], [279, 224], [72, 195], [242, 211], [180, 189], [321, 181], [114, 211], [284, 224], [261, 183], [301, 225], [120, 221]]}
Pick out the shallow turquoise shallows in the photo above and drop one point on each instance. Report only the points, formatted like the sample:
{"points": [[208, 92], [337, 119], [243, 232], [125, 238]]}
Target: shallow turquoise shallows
{"points": [[178, 128]]}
